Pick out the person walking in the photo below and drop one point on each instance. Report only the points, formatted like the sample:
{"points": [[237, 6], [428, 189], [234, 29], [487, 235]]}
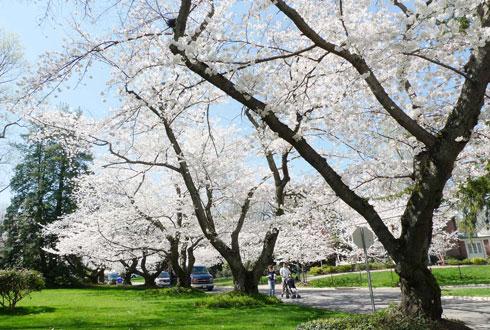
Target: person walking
{"points": [[285, 274], [271, 276]]}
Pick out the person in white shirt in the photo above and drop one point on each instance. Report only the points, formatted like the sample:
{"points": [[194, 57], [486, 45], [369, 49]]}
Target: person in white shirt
{"points": [[285, 274]]}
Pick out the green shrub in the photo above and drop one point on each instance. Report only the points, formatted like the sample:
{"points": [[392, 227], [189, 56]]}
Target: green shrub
{"points": [[176, 292], [349, 268], [344, 268], [478, 261], [359, 267], [372, 266], [15, 284], [225, 271], [453, 262], [388, 319], [236, 299], [316, 270], [389, 265], [466, 262], [265, 280]]}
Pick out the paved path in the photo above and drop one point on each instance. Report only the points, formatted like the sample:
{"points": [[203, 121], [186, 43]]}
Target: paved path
{"points": [[476, 314]]}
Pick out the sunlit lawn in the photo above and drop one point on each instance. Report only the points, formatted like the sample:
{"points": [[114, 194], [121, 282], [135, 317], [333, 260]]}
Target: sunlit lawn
{"points": [[117, 308], [468, 292], [444, 276]]}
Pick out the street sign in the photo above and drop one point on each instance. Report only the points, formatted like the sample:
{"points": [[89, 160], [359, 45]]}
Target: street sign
{"points": [[364, 238], [359, 240]]}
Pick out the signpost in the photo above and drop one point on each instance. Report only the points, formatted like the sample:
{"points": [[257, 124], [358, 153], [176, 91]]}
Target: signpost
{"points": [[364, 238]]}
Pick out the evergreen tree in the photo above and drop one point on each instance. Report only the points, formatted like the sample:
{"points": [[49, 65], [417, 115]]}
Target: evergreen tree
{"points": [[474, 198], [42, 185]]}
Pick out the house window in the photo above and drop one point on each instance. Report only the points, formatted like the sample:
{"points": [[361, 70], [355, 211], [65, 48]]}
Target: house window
{"points": [[480, 250], [474, 249]]}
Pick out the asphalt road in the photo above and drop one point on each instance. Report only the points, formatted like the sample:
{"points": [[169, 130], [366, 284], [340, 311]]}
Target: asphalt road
{"points": [[476, 314]]}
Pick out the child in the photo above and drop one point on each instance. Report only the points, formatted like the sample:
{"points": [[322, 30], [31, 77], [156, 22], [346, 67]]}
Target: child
{"points": [[271, 276]]}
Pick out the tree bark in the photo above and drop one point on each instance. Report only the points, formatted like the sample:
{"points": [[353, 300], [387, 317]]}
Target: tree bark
{"points": [[100, 275], [420, 292], [245, 281], [182, 262]]}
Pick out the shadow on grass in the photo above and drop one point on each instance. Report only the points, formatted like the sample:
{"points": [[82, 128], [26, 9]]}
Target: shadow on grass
{"points": [[27, 310]]}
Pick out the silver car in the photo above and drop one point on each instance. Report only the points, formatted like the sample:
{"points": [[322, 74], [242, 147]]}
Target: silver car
{"points": [[163, 280]]}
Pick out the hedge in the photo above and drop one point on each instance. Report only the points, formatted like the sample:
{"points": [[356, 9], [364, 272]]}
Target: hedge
{"points": [[16, 284]]}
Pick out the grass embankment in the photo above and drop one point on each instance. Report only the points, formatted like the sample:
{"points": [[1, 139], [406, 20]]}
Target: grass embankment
{"points": [[119, 308], [444, 276], [467, 292]]}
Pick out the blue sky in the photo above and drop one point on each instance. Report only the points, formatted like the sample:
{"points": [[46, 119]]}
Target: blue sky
{"points": [[36, 35]]}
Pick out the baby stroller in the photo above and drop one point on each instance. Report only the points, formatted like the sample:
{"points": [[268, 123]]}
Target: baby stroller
{"points": [[290, 288]]}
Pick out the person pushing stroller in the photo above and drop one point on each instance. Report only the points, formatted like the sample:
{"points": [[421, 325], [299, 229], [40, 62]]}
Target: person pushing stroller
{"points": [[288, 286]]}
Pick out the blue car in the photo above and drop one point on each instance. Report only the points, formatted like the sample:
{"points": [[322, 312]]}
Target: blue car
{"points": [[113, 278], [201, 279]]}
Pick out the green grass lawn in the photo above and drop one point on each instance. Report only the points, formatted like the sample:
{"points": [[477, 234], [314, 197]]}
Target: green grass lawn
{"points": [[444, 276], [138, 280], [468, 292], [117, 308]]}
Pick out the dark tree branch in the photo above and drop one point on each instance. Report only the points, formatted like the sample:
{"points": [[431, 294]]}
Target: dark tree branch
{"points": [[362, 67]]}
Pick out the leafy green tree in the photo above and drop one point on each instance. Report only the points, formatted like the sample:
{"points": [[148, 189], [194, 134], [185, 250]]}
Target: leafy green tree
{"points": [[42, 185], [474, 198]]}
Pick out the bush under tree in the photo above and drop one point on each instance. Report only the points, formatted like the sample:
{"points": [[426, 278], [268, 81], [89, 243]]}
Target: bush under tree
{"points": [[17, 284]]}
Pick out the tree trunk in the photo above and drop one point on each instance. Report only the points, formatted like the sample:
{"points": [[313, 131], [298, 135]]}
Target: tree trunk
{"points": [[150, 280], [127, 278], [100, 276], [246, 281], [420, 292], [129, 269], [182, 262]]}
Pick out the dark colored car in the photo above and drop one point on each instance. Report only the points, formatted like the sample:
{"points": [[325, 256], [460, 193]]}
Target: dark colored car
{"points": [[201, 279]]}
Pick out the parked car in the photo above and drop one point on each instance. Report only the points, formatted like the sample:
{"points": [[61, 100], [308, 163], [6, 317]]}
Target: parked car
{"points": [[201, 278], [112, 278], [163, 279]]}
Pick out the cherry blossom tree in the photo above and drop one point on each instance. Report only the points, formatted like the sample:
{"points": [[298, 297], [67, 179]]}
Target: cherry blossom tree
{"points": [[234, 198], [133, 221], [389, 97]]}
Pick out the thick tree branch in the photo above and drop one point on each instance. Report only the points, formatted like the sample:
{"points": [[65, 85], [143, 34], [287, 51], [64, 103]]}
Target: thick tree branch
{"points": [[318, 162], [362, 67]]}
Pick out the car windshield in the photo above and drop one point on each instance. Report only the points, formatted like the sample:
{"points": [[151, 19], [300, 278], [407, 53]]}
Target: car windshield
{"points": [[113, 276], [199, 270], [164, 275]]}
